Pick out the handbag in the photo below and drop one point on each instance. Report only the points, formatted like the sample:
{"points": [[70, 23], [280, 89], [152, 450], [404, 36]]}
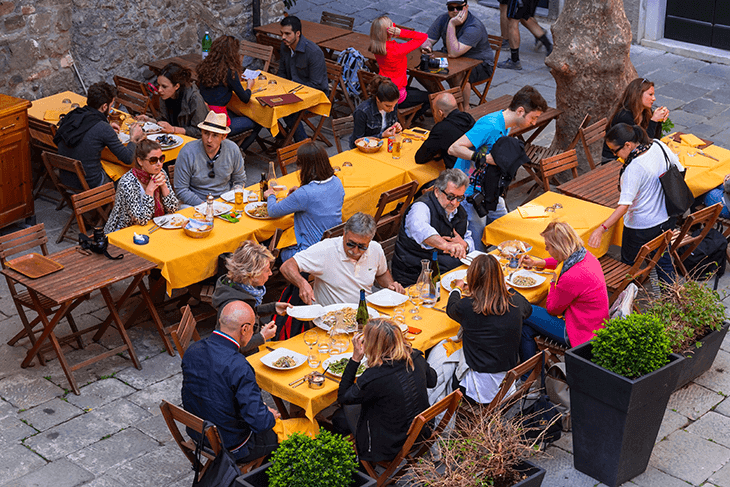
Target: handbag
{"points": [[677, 195], [222, 471], [542, 418]]}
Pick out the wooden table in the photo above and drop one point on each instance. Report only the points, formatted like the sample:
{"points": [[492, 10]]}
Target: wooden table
{"points": [[599, 185], [83, 273], [189, 61], [423, 173], [311, 30], [361, 42], [458, 66], [502, 103], [38, 107]]}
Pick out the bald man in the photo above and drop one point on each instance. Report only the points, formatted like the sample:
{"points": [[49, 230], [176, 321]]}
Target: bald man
{"points": [[219, 385], [451, 124]]}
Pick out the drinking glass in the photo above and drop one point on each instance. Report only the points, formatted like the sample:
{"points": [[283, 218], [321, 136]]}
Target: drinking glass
{"points": [[252, 197], [414, 296], [311, 337], [324, 346], [428, 298], [238, 195], [313, 358]]}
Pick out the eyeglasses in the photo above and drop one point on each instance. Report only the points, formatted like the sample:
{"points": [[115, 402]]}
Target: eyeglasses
{"points": [[452, 197], [455, 8], [351, 245], [155, 160], [615, 151], [211, 174]]}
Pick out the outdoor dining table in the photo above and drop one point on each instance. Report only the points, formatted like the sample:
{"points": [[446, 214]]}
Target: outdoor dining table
{"points": [[583, 216], [361, 42], [189, 61], [502, 103], [82, 273], [311, 30]]}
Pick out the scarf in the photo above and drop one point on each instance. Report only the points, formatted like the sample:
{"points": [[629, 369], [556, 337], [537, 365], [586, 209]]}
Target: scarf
{"points": [[144, 178], [573, 259], [640, 149], [256, 292]]}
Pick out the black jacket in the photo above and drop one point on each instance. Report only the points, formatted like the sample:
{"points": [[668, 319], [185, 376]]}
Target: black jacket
{"points": [[391, 396], [367, 121], [443, 134], [625, 116], [307, 66]]}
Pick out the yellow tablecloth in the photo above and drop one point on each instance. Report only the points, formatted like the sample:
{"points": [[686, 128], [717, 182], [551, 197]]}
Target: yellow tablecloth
{"points": [[54, 102], [703, 173], [422, 173], [313, 100], [115, 168], [583, 216]]}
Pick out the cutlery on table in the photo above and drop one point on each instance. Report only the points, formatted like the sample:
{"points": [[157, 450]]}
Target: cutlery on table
{"points": [[157, 226], [299, 381], [700, 151], [295, 89]]}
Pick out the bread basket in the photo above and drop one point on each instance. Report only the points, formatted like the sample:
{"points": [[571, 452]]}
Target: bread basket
{"points": [[363, 144], [197, 228]]}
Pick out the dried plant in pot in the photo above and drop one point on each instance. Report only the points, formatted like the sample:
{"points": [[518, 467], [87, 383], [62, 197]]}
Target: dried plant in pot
{"points": [[483, 448], [694, 318]]}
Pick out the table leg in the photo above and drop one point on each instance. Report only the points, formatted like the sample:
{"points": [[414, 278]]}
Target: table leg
{"points": [[281, 407], [292, 129], [155, 317], [105, 324], [120, 326], [537, 132]]}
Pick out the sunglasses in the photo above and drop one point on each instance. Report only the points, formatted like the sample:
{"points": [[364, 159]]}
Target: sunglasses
{"points": [[615, 151], [452, 197], [155, 160], [211, 174], [351, 245], [455, 8]]}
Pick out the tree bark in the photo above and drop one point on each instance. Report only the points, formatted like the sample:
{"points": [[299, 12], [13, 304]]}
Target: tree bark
{"points": [[590, 64]]}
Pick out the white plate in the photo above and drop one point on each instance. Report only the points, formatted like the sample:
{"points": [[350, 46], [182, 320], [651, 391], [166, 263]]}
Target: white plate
{"points": [[230, 196], [471, 256], [537, 277], [123, 138], [251, 206], [334, 307], [387, 298], [306, 313], [151, 128], [174, 222], [335, 358], [178, 140], [218, 208], [450, 277], [271, 357]]}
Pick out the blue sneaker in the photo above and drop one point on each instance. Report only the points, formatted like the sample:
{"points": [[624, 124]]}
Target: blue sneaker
{"points": [[509, 64]]}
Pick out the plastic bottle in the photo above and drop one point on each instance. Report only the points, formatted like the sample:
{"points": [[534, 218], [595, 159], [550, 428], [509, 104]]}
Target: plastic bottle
{"points": [[362, 316], [207, 42], [209, 210]]}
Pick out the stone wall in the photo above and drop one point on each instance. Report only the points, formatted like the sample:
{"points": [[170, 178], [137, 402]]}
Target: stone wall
{"points": [[42, 38]]}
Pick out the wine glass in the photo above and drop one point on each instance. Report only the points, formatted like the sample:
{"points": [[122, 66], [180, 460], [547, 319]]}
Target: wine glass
{"points": [[311, 337], [414, 296]]}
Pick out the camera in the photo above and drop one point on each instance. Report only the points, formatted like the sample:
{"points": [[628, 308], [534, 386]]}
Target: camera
{"points": [[427, 63], [97, 244]]}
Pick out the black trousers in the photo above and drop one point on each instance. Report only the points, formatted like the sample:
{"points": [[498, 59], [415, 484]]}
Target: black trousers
{"points": [[259, 445]]}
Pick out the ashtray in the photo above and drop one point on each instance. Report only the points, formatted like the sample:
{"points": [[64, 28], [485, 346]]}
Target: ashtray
{"points": [[141, 239], [315, 380]]}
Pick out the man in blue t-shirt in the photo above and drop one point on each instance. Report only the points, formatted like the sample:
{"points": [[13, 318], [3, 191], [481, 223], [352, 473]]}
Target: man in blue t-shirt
{"points": [[462, 34], [524, 109]]}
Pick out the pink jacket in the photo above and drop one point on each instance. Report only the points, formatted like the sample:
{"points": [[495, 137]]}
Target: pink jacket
{"points": [[394, 64], [581, 295]]}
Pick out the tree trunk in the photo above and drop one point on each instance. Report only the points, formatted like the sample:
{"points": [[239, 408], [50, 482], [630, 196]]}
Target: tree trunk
{"points": [[590, 64]]}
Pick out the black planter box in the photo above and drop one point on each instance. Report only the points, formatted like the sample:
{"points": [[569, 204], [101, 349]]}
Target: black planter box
{"points": [[258, 478], [699, 360], [535, 474], [615, 420]]}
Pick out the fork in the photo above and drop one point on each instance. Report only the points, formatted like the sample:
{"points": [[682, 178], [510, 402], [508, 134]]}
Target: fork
{"points": [[157, 226]]}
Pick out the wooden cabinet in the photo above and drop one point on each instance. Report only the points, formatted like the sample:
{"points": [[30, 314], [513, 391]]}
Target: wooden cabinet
{"points": [[16, 184]]}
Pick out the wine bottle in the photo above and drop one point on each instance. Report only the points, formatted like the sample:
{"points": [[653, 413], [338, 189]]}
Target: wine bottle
{"points": [[263, 186], [436, 273], [362, 311]]}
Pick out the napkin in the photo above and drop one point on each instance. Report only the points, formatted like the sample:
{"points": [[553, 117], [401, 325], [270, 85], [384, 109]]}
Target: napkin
{"points": [[697, 160], [532, 211], [691, 140], [284, 428], [451, 346]]}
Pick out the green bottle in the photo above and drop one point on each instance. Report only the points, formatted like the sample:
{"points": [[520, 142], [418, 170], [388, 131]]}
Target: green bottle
{"points": [[362, 311]]}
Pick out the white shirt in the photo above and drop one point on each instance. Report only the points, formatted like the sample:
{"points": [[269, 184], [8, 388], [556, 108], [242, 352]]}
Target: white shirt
{"points": [[482, 386], [418, 225], [338, 278], [641, 189]]}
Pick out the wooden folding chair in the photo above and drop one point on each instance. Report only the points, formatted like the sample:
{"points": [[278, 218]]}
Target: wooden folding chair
{"points": [[336, 231], [174, 415], [532, 365], [458, 94], [549, 167], [389, 248], [133, 96], [495, 42], [415, 447], [13, 244], [337, 92], [257, 51], [41, 140], [96, 199], [618, 275], [275, 43], [590, 135], [405, 115], [683, 239], [336, 20], [171, 175], [288, 155], [389, 223], [185, 331], [341, 128], [54, 164]]}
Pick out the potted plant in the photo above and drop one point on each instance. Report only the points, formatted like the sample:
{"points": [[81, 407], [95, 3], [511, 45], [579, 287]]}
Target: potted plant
{"points": [[327, 460], [620, 383], [484, 448], [694, 318]]}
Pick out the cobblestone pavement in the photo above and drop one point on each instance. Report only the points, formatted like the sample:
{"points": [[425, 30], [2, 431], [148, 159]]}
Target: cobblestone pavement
{"points": [[112, 435]]}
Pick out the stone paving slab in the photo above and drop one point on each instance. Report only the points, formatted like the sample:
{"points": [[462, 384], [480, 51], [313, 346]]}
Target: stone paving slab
{"points": [[50, 414], [721, 478], [63, 473], [672, 421], [7, 409], [24, 390], [723, 408], [105, 481], [99, 393], [688, 457], [155, 427], [656, 478], [151, 397], [12, 429], [155, 369], [159, 467], [88, 374], [717, 378], [121, 413], [114, 451], [17, 461], [559, 470], [712, 427], [693, 400], [69, 437]]}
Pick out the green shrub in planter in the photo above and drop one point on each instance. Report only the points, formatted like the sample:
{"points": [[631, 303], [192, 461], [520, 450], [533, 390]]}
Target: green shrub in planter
{"points": [[632, 346], [328, 460]]}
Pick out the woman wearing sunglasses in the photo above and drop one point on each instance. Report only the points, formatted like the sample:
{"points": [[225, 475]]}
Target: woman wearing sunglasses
{"points": [[144, 192]]}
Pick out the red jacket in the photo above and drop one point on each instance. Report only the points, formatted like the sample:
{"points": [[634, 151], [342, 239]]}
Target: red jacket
{"points": [[395, 64]]}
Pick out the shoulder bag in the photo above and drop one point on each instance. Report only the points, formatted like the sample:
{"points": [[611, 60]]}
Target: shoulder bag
{"points": [[222, 471], [677, 195]]}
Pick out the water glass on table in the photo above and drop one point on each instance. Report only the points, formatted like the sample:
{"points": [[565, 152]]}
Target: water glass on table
{"points": [[414, 296]]}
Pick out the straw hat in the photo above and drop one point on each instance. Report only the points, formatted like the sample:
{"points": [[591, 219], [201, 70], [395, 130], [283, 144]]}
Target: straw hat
{"points": [[215, 122]]}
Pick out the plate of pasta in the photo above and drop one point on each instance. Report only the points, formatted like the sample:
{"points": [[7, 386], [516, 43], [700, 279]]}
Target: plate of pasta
{"points": [[283, 359], [524, 279], [329, 318], [258, 210]]}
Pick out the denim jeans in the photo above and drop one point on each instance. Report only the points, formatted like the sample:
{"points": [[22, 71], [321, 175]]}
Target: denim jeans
{"points": [[300, 134], [476, 224], [541, 323], [633, 239]]}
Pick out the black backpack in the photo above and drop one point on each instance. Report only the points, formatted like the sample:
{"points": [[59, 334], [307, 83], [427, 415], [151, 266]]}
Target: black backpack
{"points": [[708, 257]]}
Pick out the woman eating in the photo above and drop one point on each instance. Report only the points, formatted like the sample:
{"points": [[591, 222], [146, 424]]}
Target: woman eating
{"points": [[143, 192], [392, 58], [219, 76], [248, 270], [378, 115], [635, 108], [316, 204], [391, 391], [491, 323], [579, 293], [641, 203], [182, 108]]}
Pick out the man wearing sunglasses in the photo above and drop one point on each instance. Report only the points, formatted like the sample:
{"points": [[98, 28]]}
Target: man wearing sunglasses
{"points": [[462, 34], [211, 165], [341, 266], [436, 221]]}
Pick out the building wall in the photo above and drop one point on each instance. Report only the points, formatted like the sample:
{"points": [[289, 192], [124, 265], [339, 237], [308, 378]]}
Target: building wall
{"points": [[41, 39]]}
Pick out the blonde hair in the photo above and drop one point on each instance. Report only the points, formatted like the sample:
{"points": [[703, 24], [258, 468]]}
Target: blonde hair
{"points": [[384, 342], [248, 261], [488, 291], [379, 35], [562, 238]]}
